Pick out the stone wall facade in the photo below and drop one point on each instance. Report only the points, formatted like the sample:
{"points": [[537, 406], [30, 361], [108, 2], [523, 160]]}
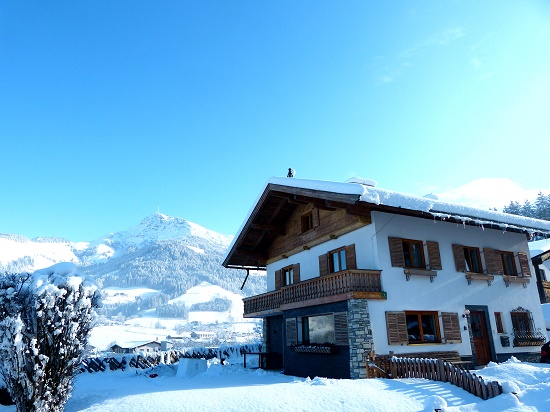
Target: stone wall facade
{"points": [[360, 337]]}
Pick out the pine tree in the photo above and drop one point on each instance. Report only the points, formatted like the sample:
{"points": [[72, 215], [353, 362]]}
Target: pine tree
{"points": [[45, 319], [542, 206]]}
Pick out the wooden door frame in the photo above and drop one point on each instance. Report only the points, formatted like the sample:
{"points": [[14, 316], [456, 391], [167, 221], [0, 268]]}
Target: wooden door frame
{"points": [[489, 331]]}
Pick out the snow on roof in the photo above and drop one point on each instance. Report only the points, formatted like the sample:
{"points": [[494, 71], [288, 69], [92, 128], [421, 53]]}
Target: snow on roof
{"points": [[135, 344], [539, 246], [369, 194], [443, 210], [446, 210]]}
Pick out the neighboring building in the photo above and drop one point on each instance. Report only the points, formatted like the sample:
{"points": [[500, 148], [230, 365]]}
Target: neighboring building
{"points": [[137, 347], [540, 256], [353, 269]]}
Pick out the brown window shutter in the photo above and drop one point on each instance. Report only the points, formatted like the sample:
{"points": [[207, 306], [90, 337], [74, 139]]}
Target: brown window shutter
{"points": [[278, 279], [396, 252], [433, 255], [351, 261], [341, 329], [493, 262], [323, 265], [291, 332], [460, 259], [524, 265], [296, 273], [396, 325], [315, 216], [451, 327]]}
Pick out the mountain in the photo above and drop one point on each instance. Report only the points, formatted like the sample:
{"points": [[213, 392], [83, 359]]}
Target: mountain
{"points": [[165, 253]]}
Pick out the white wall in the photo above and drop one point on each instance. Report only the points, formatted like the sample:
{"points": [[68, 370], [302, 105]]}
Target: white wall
{"points": [[450, 291]]}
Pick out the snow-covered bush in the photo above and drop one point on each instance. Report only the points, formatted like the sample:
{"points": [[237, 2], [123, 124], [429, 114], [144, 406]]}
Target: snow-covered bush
{"points": [[45, 319]]}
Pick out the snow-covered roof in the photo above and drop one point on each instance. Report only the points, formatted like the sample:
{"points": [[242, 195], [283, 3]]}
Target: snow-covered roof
{"points": [[538, 247], [136, 344], [357, 191], [443, 210]]}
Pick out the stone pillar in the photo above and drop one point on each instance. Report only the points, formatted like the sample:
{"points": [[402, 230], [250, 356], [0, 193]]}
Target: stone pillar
{"points": [[360, 337]]}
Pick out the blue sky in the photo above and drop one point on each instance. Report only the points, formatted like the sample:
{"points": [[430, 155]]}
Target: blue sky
{"points": [[110, 110]]}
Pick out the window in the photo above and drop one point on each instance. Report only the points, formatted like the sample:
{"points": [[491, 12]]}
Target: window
{"points": [[422, 327], [307, 222], [524, 329], [521, 321], [508, 263], [413, 253], [286, 276], [316, 329], [337, 260], [472, 259], [543, 275], [407, 253], [498, 321]]}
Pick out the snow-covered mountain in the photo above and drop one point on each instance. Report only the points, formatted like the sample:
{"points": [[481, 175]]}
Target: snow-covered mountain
{"points": [[162, 252]]}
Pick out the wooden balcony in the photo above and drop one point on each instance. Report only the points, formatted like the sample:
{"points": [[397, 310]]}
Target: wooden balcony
{"points": [[344, 285]]}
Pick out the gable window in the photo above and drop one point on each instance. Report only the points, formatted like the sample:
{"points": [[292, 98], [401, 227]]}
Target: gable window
{"points": [[422, 327], [307, 221], [508, 263], [472, 259]]}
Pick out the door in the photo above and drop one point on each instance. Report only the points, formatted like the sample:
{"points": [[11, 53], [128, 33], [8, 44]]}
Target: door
{"points": [[480, 337]]}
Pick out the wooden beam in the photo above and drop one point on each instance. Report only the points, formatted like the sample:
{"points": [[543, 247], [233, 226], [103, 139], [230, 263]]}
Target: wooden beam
{"points": [[270, 228], [324, 205]]}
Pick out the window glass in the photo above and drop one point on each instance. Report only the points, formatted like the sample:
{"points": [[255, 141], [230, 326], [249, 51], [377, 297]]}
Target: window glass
{"points": [[422, 327], [316, 329], [508, 263], [337, 260], [342, 259], [288, 276], [307, 222], [473, 261], [498, 321], [413, 253]]}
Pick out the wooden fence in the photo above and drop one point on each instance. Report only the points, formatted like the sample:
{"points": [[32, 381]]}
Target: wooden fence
{"points": [[433, 369], [151, 359]]}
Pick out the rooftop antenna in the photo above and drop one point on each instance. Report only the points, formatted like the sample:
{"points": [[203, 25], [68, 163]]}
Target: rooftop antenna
{"points": [[158, 209], [290, 172]]}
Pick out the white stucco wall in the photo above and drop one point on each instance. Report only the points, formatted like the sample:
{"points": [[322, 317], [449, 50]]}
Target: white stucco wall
{"points": [[450, 291]]}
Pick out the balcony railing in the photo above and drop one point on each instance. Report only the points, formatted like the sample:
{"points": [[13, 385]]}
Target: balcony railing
{"points": [[358, 283]]}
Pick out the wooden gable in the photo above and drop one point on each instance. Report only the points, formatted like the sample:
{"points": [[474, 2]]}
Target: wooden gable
{"points": [[329, 223]]}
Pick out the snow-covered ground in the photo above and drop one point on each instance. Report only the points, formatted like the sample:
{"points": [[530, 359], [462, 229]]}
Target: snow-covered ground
{"points": [[233, 388]]}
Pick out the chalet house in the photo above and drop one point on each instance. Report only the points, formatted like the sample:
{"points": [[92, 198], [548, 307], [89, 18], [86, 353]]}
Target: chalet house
{"points": [[354, 270], [540, 256], [137, 347]]}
